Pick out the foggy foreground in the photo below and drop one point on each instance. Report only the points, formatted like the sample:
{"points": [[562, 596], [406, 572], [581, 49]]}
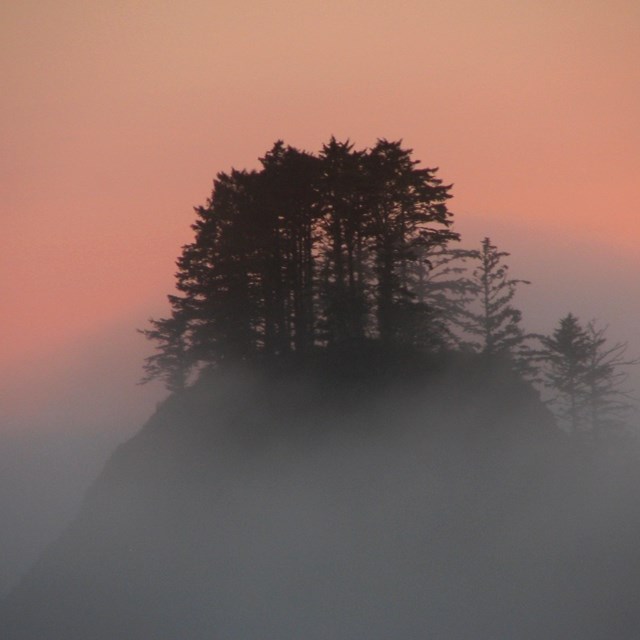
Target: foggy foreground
{"points": [[422, 502], [43, 477]]}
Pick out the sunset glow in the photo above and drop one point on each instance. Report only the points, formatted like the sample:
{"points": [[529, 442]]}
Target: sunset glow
{"points": [[115, 118]]}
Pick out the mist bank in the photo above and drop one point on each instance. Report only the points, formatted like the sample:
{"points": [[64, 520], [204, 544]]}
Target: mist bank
{"points": [[359, 496], [43, 478]]}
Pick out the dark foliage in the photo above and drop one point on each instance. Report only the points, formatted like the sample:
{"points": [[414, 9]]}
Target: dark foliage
{"points": [[309, 252], [351, 248]]}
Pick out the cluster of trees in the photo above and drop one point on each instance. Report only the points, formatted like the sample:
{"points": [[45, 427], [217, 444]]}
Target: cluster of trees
{"points": [[308, 252], [312, 252]]}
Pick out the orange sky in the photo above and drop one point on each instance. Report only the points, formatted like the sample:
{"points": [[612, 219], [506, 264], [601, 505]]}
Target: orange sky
{"points": [[116, 115]]}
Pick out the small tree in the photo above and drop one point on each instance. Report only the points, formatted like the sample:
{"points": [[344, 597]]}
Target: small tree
{"points": [[490, 319], [564, 358], [608, 403], [586, 377], [170, 363], [440, 293]]}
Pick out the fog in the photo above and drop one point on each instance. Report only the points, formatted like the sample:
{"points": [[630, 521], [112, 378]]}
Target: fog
{"points": [[64, 415], [114, 122], [404, 505], [61, 416], [43, 477]]}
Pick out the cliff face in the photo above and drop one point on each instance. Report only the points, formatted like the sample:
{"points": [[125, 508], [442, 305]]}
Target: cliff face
{"points": [[286, 505]]}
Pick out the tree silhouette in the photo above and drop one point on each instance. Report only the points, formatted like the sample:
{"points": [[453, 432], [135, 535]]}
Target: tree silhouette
{"points": [[491, 320], [586, 377], [565, 355], [306, 253], [404, 205], [441, 293], [344, 242], [171, 362], [608, 402]]}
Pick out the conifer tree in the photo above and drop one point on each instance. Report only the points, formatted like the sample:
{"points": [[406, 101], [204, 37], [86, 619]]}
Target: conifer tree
{"points": [[217, 272], [585, 375], [565, 356], [343, 238], [442, 292], [288, 199], [407, 212], [608, 402], [307, 252], [171, 362], [491, 320]]}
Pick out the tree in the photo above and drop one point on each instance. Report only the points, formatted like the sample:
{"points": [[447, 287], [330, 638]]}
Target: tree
{"points": [[565, 355], [490, 319], [440, 293], [288, 205], [344, 242], [171, 362], [586, 377], [407, 214], [219, 272], [608, 402], [306, 253]]}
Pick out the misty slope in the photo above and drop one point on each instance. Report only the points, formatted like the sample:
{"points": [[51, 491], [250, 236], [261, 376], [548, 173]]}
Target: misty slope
{"points": [[43, 477], [380, 500]]}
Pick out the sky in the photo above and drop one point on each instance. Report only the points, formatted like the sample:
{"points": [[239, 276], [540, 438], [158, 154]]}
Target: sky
{"points": [[116, 115]]}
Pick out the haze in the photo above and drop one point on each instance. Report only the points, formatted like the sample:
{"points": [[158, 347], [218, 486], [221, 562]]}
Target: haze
{"points": [[116, 116]]}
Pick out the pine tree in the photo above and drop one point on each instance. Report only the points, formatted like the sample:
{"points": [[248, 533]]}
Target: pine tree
{"points": [[491, 320], [408, 214], [438, 284], [308, 252], [585, 375], [608, 402], [171, 362], [217, 272], [565, 356], [344, 242]]}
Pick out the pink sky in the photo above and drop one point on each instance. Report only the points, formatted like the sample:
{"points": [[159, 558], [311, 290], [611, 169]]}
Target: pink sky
{"points": [[115, 116]]}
